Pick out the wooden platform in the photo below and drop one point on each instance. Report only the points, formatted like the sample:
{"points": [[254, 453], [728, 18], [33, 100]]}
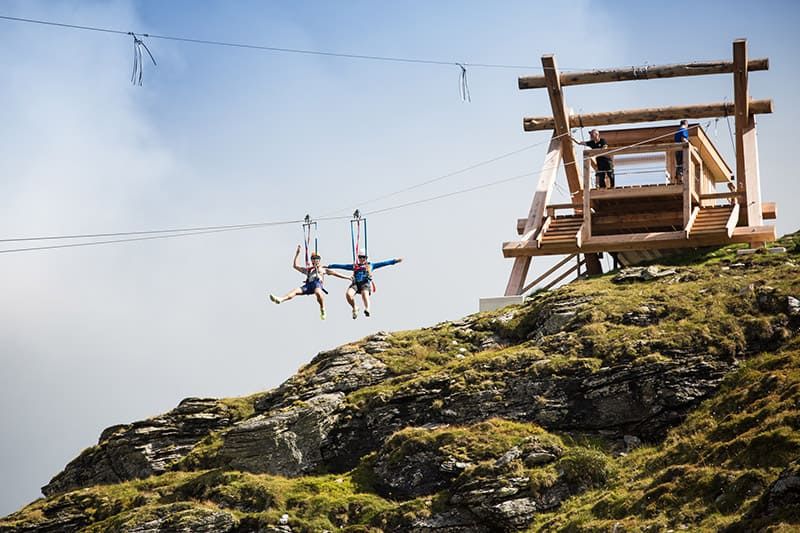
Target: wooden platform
{"points": [[700, 202]]}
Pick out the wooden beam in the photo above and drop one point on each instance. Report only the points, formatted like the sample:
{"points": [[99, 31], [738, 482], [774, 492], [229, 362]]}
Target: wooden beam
{"points": [[542, 230], [721, 195], [627, 221], [741, 105], [544, 189], [752, 179], [652, 114], [651, 191], [518, 274], [586, 227], [688, 228], [730, 225], [645, 241], [713, 161], [564, 275], [623, 159], [699, 68], [561, 124], [519, 271], [543, 276], [688, 182], [769, 210], [641, 149]]}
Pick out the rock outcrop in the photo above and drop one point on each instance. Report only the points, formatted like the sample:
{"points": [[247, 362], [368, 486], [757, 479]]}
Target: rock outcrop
{"points": [[143, 448], [489, 423]]}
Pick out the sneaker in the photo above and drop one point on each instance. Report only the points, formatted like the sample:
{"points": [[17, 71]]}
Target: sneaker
{"points": [[274, 298], [322, 314], [355, 312], [366, 312]]}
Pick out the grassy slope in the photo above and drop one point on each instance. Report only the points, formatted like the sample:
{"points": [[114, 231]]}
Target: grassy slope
{"points": [[706, 474]]}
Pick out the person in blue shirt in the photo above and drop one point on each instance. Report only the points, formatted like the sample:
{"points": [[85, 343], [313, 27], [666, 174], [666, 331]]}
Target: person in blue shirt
{"points": [[313, 284], [362, 280], [681, 136]]}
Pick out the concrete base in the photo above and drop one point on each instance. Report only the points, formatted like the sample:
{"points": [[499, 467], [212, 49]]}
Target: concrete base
{"points": [[490, 304]]}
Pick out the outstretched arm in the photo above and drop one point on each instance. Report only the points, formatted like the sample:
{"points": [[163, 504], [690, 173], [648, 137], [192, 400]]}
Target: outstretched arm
{"points": [[297, 266], [336, 274], [341, 266], [389, 262]]}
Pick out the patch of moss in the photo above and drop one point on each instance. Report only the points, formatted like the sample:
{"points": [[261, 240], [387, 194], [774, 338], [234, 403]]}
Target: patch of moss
{"points": [[709, 471], [478, 442]]}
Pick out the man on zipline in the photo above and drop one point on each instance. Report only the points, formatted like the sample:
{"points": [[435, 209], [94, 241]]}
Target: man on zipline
{"points": [[313, 285], [362, 280]]}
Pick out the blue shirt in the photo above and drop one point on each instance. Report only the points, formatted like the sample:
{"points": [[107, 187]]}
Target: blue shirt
{"points": [[682, 135], [361, 273]]}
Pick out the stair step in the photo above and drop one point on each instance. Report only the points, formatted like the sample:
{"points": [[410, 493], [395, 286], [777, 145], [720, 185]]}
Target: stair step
{"points": [[709, 232]]}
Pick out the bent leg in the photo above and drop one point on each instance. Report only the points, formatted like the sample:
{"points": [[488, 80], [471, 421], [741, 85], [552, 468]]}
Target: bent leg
{"points": [[365, 299], [291, 294]]}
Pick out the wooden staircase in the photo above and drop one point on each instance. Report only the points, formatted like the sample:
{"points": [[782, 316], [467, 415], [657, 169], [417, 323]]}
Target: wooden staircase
{"points": [[714, 221], [560, 230]]}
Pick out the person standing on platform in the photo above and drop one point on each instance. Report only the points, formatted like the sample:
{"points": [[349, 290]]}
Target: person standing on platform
{"points": [[605, 165], [681, 136]]}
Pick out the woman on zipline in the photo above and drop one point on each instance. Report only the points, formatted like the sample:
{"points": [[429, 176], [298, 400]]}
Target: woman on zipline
{"points": [[314, 279], [362, 280]]}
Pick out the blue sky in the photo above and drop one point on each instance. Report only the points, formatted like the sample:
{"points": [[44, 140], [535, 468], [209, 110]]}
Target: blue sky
{"points": [[91, 337]]}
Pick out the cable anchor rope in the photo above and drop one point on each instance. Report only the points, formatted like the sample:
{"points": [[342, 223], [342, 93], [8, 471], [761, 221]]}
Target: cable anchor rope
{"points": [[309, 231], [138, 63], [463, 85]]}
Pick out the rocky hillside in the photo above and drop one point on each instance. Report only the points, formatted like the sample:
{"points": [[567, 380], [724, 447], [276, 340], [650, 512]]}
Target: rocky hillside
{"points": [[657, 399]]}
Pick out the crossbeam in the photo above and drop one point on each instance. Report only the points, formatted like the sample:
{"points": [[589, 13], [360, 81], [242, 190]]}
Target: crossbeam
{"points": [[699, 68], [646, 241], [651, 114]]}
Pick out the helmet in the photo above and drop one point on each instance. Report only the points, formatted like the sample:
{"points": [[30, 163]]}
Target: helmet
{"points": [[315, 255]]}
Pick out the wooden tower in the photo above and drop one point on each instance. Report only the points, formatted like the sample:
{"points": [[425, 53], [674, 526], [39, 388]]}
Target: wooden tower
{"points": [[708, 205]]}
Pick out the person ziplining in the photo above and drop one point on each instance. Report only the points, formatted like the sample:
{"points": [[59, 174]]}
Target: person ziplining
{"points": [[362, 268], [314, 273]]}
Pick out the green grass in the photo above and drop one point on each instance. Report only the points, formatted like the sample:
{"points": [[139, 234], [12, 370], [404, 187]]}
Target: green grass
{"points": [[706, 475]]}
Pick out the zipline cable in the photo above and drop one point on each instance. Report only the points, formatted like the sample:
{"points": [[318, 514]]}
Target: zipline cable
{"points": [[377, 211], [275, 48], [449, 174], [326, 217]]}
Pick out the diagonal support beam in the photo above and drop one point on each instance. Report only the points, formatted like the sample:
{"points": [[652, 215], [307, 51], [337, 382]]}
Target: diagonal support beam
{"points": [[547, 177], [561, 119]]}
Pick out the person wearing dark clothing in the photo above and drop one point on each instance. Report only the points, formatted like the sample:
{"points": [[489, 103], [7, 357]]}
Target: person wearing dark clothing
{"points": [[681, 136], [605, 165]]}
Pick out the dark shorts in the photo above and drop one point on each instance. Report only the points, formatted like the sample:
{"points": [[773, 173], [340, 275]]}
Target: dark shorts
{"points": [[310, 287], [601, 177], [360, 286]]}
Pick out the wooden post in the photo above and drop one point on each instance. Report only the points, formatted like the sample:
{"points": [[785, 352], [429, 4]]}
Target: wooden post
{"points": [[518, 274], [561, 120], [747, 178], [741, 105], [688, 181], [587, 171], [592, 260], [586, 228], [752, 175]]}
